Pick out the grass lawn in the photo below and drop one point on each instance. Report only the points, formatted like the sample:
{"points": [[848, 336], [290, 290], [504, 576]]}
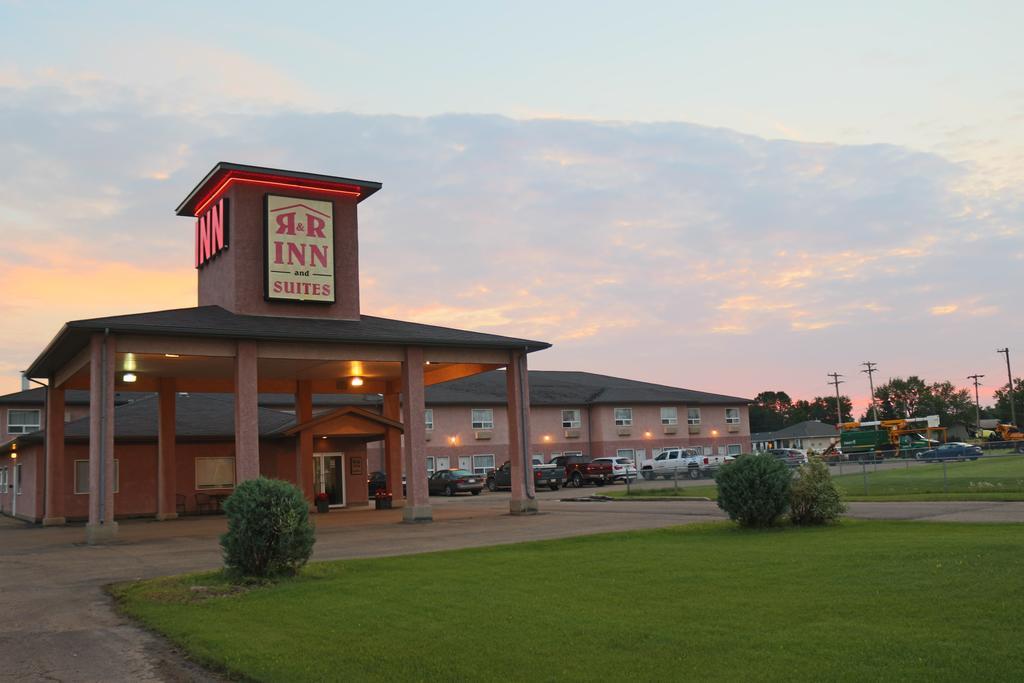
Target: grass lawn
{"points": [[984, 479], [863, 600]]}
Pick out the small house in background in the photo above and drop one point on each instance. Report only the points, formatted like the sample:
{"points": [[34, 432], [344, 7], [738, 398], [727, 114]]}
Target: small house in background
{"points": [[810, 435]]}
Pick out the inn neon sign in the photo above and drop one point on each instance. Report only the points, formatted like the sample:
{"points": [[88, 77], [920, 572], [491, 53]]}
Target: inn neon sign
{"points": [[212, 232]]}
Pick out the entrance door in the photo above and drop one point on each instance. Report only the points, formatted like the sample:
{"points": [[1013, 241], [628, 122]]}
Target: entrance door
{"points": [[443, 462], [329, 477], [466, 462]]}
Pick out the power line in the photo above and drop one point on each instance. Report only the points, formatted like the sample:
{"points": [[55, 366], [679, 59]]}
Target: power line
{"points": [[839, 409], [1009, 386], [871, 370], [977, 401]]}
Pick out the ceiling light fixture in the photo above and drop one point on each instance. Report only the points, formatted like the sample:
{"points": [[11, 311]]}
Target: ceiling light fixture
{"points": [[129, 377], [356, 382]]}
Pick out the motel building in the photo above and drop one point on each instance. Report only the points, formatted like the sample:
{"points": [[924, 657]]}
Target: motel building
{"points": [[278, 373]]}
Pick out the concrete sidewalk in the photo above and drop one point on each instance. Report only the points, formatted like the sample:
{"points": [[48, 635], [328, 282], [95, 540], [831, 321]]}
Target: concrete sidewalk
{"points": [[60, 625]]}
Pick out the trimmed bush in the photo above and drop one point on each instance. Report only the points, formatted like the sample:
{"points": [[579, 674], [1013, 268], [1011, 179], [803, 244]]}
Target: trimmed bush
{"points": [[269, 532], [813, 497], [754, 489]]}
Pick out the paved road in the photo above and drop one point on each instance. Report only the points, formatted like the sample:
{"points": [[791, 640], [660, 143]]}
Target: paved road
{"points": [[58, 624]]}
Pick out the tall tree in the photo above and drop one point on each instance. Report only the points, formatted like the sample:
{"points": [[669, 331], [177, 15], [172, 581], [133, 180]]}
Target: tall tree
{"points": [[769, 411], [913, 397], [899, 398], [1001, 409]]}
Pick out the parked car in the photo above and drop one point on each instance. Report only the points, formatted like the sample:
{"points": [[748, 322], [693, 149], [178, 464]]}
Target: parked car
{"points": [[794, 457], [623, 469], [954, 450], [683, 462], [378, 481], [501, 478], [580, 469], [450, 482]]}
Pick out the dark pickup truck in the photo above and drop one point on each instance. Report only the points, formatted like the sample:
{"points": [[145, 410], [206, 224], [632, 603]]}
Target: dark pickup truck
{"points": [[579, 470], [501, 478]]}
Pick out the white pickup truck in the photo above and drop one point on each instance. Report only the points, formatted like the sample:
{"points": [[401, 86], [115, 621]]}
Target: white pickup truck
{"points": [[674, 463]]}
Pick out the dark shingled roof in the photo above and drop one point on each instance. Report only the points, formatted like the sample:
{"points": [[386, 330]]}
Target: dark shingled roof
{"points": [[217, 322], [807, 429], [196, 416], [551, 387], [73, 397]]}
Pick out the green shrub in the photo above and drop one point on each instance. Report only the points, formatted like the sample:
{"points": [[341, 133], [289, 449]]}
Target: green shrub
{"points": [[269, 532], [813, 497], [754, 489]]}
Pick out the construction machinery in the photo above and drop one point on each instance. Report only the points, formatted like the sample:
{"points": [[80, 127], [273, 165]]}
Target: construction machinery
{"points": [[890, 438], [1005, 432]]}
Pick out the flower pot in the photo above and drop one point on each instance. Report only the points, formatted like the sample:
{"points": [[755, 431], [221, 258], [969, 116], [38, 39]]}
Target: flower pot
{"points": [[323, 506]]}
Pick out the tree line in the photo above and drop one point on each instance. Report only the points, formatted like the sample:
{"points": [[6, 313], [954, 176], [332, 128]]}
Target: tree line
{"points": [[897, 398]]}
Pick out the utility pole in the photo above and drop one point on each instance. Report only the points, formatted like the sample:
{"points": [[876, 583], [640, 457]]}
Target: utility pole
{"points": [[871, 369], [1009, 387], [977, 401], [839, 408]]}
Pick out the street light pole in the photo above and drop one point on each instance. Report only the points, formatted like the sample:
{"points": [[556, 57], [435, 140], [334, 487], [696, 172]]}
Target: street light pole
{"points": [[1009, 386], [977, 401], [871, 369]]}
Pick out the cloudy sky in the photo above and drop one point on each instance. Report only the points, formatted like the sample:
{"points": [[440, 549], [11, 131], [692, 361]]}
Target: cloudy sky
{"points": [[732, 200]]}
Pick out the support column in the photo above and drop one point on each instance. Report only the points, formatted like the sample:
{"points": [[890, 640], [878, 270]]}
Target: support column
{"points": [[417, 506], [393, 448], [524, 498], [304, 443], [101, 526], [166, 456], [247, 426], [54, 513]]}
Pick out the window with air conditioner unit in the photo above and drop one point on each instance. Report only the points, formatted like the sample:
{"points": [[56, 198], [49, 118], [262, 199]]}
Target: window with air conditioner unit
{"points": [[571, 419], [669, 416], [482, 418], [734, 449], [732, 416], [623, 417], [693, 416]]}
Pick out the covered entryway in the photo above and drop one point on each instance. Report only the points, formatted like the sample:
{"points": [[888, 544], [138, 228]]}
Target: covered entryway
{"points": [[339, 440]]}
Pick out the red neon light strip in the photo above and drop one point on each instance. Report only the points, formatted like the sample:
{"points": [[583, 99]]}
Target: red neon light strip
{"points": [[253, 181]]}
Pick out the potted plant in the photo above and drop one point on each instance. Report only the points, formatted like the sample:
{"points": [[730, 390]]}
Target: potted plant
{"points": [[323, 503]]}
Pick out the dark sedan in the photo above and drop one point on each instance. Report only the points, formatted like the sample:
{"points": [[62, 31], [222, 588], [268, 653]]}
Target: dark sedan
{"points": [[955, 450], [450, 482], [378, 481]]}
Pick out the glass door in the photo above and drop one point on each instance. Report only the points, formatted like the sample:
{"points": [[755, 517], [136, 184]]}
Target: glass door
{"points": [[329, 477]]}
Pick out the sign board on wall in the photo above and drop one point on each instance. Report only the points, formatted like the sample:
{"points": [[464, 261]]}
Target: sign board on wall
{"points": [[299, 249]]}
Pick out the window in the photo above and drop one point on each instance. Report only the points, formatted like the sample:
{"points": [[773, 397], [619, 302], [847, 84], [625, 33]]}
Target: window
{"points": [[571, 419], [732, 416], [482, 418], [22, 421], [623, 417], [430, 465], [669, 416], [82, 476], [734, 449], [693, 416], [482, 464], [215, 473], [428, 418], [573, 453], [708, 450], [3, 480]]}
